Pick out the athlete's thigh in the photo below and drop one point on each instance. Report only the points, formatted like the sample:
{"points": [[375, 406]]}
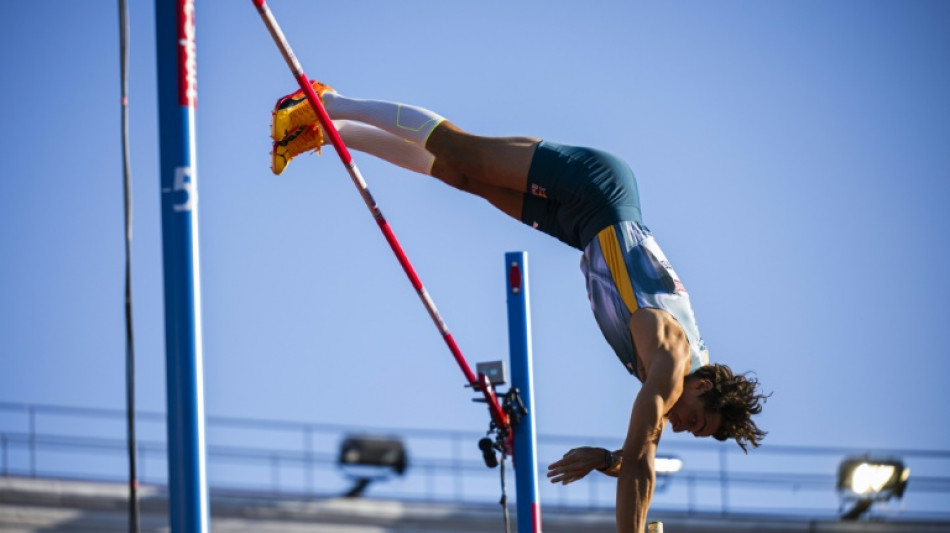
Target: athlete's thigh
{"points": [[501, 162], [508, 201]]}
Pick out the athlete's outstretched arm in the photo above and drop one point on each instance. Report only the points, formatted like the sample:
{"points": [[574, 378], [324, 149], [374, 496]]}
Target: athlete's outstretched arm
{"points": [[661, 343]]}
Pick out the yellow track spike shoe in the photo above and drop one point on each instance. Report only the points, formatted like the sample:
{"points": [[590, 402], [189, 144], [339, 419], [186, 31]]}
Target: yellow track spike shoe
{"points": [[293, 111], [302, 139]]}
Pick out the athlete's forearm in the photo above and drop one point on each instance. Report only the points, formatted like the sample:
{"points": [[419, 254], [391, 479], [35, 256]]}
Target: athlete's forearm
{"points": [[635, 486]]}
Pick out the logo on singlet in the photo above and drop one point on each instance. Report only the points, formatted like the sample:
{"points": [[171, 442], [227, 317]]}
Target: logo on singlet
{"points": [[678, 286]]}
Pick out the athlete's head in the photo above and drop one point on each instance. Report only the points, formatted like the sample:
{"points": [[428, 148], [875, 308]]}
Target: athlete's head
{"points": [[690, 413], [729, 400]]}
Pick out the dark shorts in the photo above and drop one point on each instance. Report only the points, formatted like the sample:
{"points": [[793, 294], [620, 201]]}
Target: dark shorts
{"points": [[575, 192]]}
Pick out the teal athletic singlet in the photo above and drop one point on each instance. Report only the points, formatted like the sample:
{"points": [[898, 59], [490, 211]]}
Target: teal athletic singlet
{"points": [[588, 199]]}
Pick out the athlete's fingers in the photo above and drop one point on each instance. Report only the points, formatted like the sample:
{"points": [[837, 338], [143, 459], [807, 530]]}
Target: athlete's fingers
{"points": [[570, 466], [586, 456], [571, 456], [563, 470], [575, 464], [564, 461], [566, 465], [565, 477]]}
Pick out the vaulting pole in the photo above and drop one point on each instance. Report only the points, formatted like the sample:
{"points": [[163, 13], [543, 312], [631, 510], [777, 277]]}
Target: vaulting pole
{"points": [[177, 98], [480, 382]]}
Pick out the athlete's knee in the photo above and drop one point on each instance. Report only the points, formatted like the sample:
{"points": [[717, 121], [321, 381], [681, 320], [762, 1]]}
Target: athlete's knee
{"points": [[456, 151], [448, 174]]}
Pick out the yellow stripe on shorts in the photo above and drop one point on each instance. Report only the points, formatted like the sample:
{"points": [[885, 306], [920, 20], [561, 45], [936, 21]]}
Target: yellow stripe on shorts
{"points": [[613, 255]]}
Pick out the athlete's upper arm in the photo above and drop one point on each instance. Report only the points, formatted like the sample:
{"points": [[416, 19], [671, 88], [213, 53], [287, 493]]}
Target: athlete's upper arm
{"points": [[661, 344]]}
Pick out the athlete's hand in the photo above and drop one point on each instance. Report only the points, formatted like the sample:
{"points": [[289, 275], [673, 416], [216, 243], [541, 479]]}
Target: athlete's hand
{"points": [[576, 464]]}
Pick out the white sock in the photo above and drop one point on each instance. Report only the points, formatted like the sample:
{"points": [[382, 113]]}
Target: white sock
{"points": [[385, 146], [411, 123]]}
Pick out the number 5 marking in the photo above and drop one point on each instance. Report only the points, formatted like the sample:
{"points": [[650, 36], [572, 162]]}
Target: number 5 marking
{"points": [[183, 183]]}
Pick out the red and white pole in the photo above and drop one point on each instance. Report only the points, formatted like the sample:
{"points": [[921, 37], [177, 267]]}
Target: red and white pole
{"points": [[480, 382]]}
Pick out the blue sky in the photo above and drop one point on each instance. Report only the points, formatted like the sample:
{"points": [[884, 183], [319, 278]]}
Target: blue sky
{"points": [[792, 159]]}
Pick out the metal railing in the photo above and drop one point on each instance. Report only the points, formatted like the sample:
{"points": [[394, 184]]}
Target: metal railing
{"points": [[300, 459]]}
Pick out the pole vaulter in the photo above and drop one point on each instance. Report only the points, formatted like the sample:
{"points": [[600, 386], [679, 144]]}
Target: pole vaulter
{"points": [[480, 382], [589, 200]]}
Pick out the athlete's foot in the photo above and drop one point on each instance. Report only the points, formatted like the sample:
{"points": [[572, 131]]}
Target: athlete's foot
{"points": [[300, 140], [293, 111]]}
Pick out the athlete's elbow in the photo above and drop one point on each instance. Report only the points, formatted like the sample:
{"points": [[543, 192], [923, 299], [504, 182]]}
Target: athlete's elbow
{"points": [[638, 472]]}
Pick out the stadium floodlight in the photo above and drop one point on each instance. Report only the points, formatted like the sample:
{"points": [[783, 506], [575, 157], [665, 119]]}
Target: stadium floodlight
{"points": [[370, 458], [866, 480], [666, 466]]}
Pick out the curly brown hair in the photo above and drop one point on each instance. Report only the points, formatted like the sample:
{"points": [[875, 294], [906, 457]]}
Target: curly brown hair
{"points": [[736, 398]]}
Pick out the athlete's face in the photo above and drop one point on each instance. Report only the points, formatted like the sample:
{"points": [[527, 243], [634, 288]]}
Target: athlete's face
{"points": [[689, 412]]}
